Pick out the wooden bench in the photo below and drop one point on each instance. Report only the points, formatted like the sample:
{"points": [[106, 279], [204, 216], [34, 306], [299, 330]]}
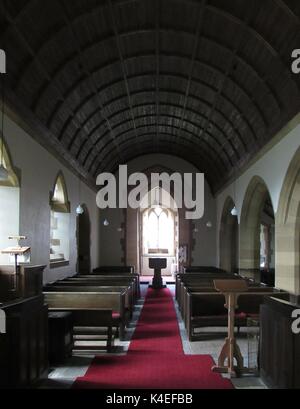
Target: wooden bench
{"points": [[70, 287], [114, 270], [203, 269], [202, 280], [111, 280], [88, 301], [193, 277], [204, 286], [101, 283], [191, 290], [208, 309]]}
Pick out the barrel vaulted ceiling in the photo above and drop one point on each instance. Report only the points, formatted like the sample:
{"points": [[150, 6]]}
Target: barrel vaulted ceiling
{"points": [[103, 82]]}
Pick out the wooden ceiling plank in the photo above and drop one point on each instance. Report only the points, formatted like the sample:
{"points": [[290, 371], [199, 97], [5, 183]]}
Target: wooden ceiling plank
{"points": [[89, 75]]}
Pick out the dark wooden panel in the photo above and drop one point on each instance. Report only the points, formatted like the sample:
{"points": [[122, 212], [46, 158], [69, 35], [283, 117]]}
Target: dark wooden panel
{"points": [[24, 347], [279, 346]]}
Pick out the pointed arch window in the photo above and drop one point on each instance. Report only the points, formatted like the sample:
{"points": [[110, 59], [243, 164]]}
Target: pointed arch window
{"points": [[158, 231], [60, 223], [9, 203], [12, 180]]}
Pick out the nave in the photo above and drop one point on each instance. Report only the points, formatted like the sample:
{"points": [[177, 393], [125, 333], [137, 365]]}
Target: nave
{"points": [[149, 355], [149, 143]]}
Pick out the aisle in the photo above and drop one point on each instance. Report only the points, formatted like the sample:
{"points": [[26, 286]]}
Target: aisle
{"points": [[155, 358]]}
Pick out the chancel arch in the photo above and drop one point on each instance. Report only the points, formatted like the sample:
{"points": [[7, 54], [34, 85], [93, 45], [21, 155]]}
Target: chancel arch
{"points": [[253, 218], [229, 238], [9, 203], [134, 232], [59, 223], [288, 230]]}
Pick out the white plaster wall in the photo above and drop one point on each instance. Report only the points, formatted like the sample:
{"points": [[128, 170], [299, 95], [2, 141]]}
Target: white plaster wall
{"points": [[38, 169], [205, 238], [9, 218], [271, 167]]}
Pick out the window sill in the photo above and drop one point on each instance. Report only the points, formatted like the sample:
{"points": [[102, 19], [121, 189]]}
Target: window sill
{"points": [[57, 264], [161, 255]]}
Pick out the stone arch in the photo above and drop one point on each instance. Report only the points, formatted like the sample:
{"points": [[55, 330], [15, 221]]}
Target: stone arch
{"points": [[12, 180], [288, 230], [228, 238], [253, 204], [133, 224]]}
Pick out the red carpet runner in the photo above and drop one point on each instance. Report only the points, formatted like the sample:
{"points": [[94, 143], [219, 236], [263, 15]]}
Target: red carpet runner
{"points": [[155, 359]]}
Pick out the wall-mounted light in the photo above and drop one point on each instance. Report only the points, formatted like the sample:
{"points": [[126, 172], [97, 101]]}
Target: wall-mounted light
{"points": [[79, 210], [234, 212], [106, 223], [119, 229], [209, 224]]}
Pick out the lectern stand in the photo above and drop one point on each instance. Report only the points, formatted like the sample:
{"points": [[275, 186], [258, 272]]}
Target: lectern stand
{"points": [[230, 351], [158, 264], [15, 252]]}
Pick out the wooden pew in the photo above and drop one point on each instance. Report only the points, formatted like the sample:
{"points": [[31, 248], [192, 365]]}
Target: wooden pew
{"points": [[69, 301], [205, 286], [111, 279], [203, 269], [129, 300], [279, 355], [114, 270], [208, 309], [192, 277], [101, 283], [202, 280], [89, 324], [194, 290], [24, 346]]}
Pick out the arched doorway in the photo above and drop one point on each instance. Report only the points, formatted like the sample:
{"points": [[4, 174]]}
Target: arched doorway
{"points": [[229, 239], [84, 242], [256, 231], [159, 231], [288, 231], [133, 228]]}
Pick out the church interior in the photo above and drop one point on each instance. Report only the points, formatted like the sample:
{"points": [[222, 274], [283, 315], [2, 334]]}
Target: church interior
{"points": [[120, 297]]}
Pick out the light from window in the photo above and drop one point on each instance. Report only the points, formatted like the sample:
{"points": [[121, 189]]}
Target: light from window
{"points": [[158, 229]]}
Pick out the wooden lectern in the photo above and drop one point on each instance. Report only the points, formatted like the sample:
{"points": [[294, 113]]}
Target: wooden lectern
{"points": [[230, 351], [16, 252]]}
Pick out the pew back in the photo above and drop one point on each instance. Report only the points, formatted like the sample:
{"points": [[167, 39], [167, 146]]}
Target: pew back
{"points": [[208, 309], [84, 300]]}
